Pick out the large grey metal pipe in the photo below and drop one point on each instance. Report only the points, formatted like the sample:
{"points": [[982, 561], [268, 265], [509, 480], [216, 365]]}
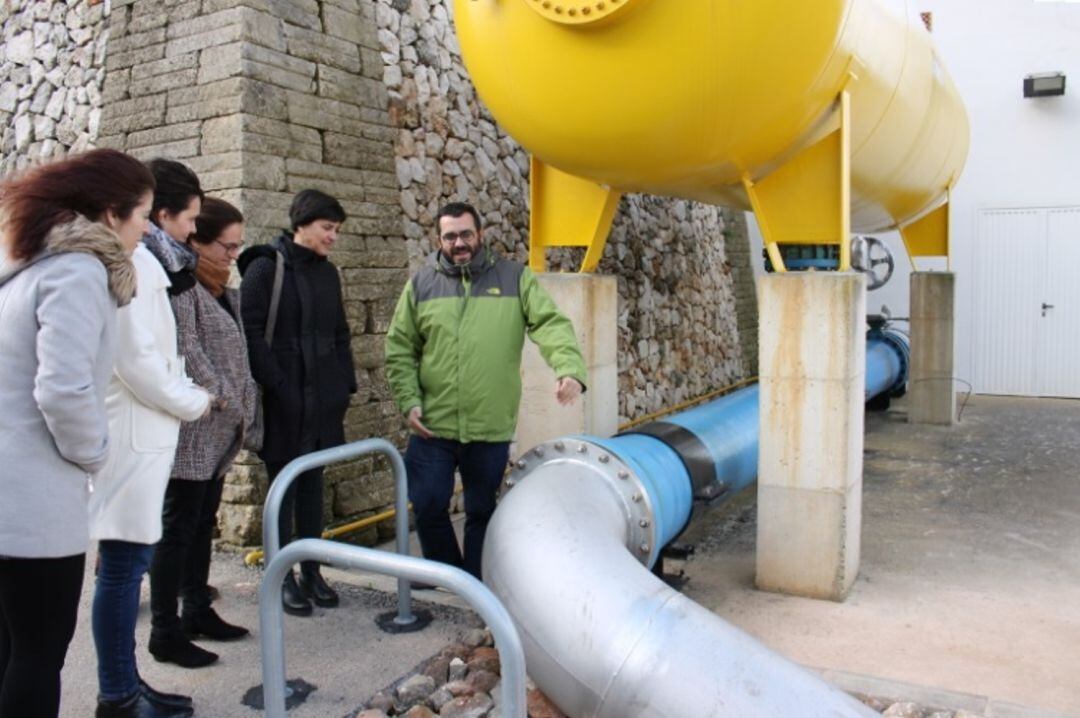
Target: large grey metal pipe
{"points": [[605, 638]]}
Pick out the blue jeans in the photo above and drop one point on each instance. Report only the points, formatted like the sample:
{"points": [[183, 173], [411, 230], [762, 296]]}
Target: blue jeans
{"points": [[430, 465], [116, 606]]}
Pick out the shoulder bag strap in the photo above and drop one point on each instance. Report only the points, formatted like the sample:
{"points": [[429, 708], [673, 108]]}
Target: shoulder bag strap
{"points": [[275, 296]]}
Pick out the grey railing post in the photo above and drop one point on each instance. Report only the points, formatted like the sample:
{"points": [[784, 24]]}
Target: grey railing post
{"points": [[285, 479], [406, 568]]}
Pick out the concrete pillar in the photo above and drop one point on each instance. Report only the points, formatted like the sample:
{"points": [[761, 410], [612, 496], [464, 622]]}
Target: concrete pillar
{"points": [[931, 395], [591, 302], [812, 366]]}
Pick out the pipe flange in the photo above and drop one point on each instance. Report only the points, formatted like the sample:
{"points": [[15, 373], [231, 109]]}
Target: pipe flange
{"points": [[637, 506], [577, 12]]}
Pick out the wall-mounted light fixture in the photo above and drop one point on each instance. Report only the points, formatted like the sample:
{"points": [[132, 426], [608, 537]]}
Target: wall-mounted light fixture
{"points": [[1044, 84]]}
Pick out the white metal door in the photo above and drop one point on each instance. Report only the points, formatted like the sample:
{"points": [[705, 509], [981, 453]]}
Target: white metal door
{"points": [[1027, 299], [1059, 321]]}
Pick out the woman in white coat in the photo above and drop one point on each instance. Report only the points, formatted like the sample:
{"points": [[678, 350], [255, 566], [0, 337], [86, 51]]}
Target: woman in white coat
{"points": [[148, 396]]}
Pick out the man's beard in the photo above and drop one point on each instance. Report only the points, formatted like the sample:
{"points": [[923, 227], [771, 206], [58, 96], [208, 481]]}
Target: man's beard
{"points": [[460, 257]]}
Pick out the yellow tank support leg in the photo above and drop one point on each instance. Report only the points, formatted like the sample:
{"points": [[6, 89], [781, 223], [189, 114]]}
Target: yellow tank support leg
{"points": [[807, 199], [928, 236], [568, 211]]}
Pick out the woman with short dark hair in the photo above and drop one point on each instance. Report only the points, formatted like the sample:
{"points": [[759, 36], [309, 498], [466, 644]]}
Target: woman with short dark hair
{"points": [[211, 341], [68, 231], [306, 370]]}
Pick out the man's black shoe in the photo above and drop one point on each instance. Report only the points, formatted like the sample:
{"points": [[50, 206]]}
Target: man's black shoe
{"points": [[210, 625], [169, 700], [178, 649], [139, 706], [292, 599], [314, 587]]}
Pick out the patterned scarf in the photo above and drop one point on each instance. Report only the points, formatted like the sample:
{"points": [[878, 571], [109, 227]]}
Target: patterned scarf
{"points": [[174, 256]]}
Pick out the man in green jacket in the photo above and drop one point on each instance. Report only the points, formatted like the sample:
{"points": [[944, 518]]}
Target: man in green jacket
{"points": [[453, 360]]}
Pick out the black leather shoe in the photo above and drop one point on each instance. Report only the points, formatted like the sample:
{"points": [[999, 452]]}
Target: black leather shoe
{"points": [[178, 649], [139, 706], [292, 598], [168, 700], [210, 625], [314, 587]]}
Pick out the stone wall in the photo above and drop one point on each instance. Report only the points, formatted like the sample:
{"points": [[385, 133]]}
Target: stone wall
{"points": [[682, 307], [51, 71], [263, 98], [738, 245]]}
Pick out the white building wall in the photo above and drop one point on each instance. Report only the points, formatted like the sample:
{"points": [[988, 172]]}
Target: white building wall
{"points": [[1024, 152]]}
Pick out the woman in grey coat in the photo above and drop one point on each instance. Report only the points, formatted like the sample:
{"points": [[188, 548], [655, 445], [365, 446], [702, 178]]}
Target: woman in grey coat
{"points": [[68, 231]]}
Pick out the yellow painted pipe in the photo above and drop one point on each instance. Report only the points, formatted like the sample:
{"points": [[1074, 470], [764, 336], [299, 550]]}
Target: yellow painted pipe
{"points": [[253, 557], [706, 99]]}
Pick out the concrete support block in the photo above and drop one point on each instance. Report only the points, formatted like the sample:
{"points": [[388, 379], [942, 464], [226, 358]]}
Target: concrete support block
{"points": [[591, 303], [812, 366], [930, 388]]}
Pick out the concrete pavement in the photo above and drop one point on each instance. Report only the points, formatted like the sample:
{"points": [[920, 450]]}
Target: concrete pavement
{"points": [[968, 594], [970, 575], [341, 651]]}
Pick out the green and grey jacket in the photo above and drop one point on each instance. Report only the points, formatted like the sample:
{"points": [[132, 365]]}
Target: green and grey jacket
{"points": [[454, 344]]}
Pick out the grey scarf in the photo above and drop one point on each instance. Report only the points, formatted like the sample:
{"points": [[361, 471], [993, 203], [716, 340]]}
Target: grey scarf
{"points": [[173, 255]]}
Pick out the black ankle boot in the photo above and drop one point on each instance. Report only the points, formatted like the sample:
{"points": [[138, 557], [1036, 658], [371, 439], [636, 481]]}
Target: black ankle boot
{"points": [[210, 625], [139, 706], [176, 648], [161, 698], [314, 587], [292, 598]]}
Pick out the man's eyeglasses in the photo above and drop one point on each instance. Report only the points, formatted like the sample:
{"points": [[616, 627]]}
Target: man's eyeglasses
{"points": [[465, 235], [230, 247]]}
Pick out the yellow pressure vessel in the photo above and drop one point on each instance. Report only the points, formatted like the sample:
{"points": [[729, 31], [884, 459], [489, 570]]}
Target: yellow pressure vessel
{"points": [[707, 99]]}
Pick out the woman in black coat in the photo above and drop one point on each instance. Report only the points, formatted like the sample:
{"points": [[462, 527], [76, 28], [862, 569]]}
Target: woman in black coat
{"points": [[306, 371]]}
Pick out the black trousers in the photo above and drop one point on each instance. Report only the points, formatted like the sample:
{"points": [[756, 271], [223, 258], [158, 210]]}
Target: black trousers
{"points": [[304, 500], [39, 603], [181, 566]]}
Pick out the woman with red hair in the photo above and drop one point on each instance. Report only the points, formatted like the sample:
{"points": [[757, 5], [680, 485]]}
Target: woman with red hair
{"points": [[68, 230]]}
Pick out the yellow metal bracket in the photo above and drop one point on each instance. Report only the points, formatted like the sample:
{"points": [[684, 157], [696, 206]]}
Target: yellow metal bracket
{"points": [[568, 211], [928, 236], [807, 200]]}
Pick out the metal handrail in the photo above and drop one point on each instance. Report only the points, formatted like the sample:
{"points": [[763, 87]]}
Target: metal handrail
{"points": [[405, 568], [316, 459]]}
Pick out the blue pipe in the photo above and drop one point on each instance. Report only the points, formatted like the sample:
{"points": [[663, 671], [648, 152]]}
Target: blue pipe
{"points": [[664, 478], [888, 356], [712, 449]]}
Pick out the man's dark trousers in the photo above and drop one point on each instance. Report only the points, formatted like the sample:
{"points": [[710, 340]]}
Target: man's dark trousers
{"points": [[430, 464]]}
